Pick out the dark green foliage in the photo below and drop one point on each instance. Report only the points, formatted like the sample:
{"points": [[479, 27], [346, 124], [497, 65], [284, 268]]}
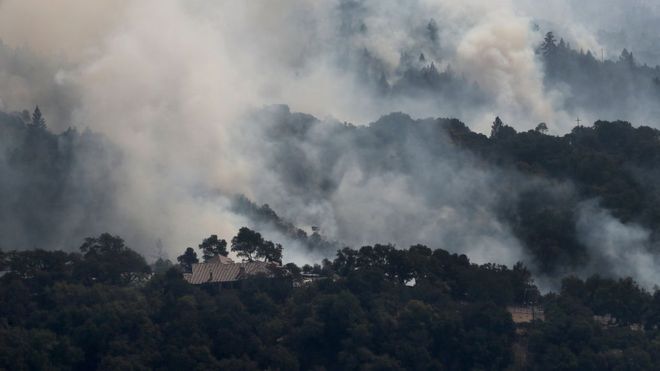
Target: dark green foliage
{"points": [[270, 252], [187, 259], [572, 339], [250, 245], [377, 308], [245, 243], [106, 259], [612, 162], [265, 218], [212, 247]]}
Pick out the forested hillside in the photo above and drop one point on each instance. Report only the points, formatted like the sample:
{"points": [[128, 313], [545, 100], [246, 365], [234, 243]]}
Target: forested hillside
{"points": [[54, 188], [376, 308], [623, 87], [610, 162], [547, 190], [330, 185]]}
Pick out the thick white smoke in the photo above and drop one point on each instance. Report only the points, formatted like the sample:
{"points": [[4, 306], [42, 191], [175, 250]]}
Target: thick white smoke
{"points": [[168, 80], [171, 81]]}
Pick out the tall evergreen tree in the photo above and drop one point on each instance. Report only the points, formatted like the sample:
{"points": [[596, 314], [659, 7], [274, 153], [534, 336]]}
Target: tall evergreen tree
{"points": [[38, 121], [496, 127], [549, 45], [627, 58]]}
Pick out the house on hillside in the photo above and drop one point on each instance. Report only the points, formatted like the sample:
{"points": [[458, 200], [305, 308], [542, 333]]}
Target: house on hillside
{"points": [[526, 314], [225, 273]]}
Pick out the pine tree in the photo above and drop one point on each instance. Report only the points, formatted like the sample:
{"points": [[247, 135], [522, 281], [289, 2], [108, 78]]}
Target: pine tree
{"points": [[627, 58], [38, 121], [549, 45], [500, 131], [497, 127]]}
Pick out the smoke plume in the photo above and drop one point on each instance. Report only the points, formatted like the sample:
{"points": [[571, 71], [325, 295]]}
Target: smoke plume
{"points": [[179, 87]]}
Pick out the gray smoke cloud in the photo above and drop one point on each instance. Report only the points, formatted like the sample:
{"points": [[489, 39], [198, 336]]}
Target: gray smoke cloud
{"points": [[363, 185], [604, 29], [174, 85], [226, 46], [619, 249], [606, 26]]}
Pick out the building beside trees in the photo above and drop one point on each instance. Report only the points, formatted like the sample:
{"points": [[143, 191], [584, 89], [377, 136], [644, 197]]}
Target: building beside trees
{"points": [[224, 272]]}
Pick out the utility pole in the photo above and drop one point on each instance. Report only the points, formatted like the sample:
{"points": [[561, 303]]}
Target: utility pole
{"points": [[578, 121]]}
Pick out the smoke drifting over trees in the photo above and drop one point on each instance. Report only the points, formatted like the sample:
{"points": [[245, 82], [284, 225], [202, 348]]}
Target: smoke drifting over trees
{"points": [[173, 94]]}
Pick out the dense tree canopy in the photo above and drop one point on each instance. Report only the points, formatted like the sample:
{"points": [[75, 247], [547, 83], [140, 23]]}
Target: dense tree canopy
{"points": [[612, 162], [374, 308], [108, 259]]}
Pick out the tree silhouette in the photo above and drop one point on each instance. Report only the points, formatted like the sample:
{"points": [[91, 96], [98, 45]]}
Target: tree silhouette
{"points": [[455, 314], [108, 259], [250, 245], [270, 252], [496, 127], [38, 121], [245, 243], [627, 58], [501, 131], [541, 128], [187, 259], [549, 45], [212, 247]]}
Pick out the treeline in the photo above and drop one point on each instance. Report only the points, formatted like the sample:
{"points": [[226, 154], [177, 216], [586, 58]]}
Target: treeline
{"points": [[595, 84], [588, 81], [421, 73], [612, 162], [52, 186], [376, 308], [263, 217], [538, 183]]}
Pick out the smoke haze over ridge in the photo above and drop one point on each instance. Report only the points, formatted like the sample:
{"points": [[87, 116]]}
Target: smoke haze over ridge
{"points": [[174, 84]]}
